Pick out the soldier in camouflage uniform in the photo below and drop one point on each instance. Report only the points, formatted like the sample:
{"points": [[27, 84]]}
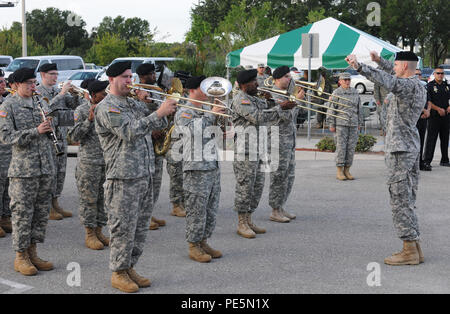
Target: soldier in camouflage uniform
{"points": [[402, 146], [249, 113], [346, 130], [201, 173], [282, 178], [147, 75], [90, 170], [30, 173], [124, 128], [60, 101], [262, 76], [5, 159]]}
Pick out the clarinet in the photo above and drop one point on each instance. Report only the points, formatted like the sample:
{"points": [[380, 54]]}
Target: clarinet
{"points": [[51, 134]]}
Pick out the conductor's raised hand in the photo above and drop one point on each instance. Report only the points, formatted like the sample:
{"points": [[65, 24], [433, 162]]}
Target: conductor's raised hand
{"points": [[375, 57]]}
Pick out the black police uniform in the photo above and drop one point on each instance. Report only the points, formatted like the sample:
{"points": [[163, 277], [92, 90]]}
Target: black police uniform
{"points": [[439, 95]]}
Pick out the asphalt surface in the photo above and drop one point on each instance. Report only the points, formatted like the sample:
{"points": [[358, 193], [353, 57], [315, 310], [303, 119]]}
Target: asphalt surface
{"points": [[341, 228]]}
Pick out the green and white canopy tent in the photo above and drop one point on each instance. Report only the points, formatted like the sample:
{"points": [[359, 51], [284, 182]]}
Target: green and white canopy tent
{"points": [[336, 41]]}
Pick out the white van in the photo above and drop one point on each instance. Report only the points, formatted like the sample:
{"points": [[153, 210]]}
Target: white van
{"points": [[5, 61], [67, 65], [159, 62]]}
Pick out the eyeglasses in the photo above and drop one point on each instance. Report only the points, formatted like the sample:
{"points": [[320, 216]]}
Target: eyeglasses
{"points": [[29, 83], [440, 73]]}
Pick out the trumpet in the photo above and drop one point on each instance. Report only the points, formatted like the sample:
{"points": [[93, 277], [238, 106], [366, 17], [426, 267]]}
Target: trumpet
{"points": [[52, 135], [293, 98], [76, 90], [178, 96], [10, 90]]}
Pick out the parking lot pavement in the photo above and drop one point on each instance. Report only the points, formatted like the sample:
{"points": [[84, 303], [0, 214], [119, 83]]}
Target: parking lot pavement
{"points": [[337, 244]]}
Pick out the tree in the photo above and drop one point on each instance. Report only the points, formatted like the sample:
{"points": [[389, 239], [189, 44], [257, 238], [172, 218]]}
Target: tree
{"points": [[106, 48]]}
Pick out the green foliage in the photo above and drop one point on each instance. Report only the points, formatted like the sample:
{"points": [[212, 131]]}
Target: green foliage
{"points": [[326, 144], [316, 15], [106, 48], [365, 143]]}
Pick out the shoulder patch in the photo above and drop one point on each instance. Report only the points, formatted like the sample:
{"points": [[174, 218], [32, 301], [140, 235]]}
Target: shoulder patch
{"points": [[186, 115], [245, 102], [75, 116], [3, 114], [114, 110]]}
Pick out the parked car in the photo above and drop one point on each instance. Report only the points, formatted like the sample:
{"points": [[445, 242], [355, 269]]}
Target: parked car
{"points": [[361, 83], [5, 61], [159, 63], [426, 72], [80, 76], [67, 65]]}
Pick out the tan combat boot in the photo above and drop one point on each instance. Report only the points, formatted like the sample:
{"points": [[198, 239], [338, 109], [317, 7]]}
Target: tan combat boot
{"points": [[419, 250], [36, 261], [340, 174], [197, 254], [22, 264], [54, 215], [59, 209], [92, 241], [2, 233], [160, 222], [244, 229], [142, 282], [278, 216], [288, 215], [153, 226], [408, 256], [120, 280], [103, 239], [209, 250], [5, 224], [252, 226], [347, 173], [178, 211]]}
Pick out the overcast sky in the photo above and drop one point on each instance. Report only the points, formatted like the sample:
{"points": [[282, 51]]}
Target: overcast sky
{"points": [[172, 17]]}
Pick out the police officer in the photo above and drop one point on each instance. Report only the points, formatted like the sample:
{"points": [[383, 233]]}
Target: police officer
{"points": [[62, 101], [90, 170], [321, 117], [147, 75], [5, 159], [422, 124], [30, 173], [346, 130], [201, 173], [124, 128], [249, 113], [262, 76], [402, 145], [285, 134], [438, 95]]}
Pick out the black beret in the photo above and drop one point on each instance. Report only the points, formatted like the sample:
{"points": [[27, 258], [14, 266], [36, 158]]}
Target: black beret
{"points": [[118, 68], [48, 67], [246, 76], [11, 78], [145, 68], [194, 82], [23, 74], [86, 82], [406, 56], [97, 86], [280, 72]]}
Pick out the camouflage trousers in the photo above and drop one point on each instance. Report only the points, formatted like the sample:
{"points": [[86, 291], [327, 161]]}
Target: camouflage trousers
{"points": [[129, 204], [60, 177], [30, 205], [403, 181], [202, 195], [4, 196], [346, 139], [176, 193], [282, 179], [90, 179], [249, 185], [157, 177]]}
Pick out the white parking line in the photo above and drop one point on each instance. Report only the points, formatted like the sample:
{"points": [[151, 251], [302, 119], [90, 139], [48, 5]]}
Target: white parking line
{"points": [[16, 288]]}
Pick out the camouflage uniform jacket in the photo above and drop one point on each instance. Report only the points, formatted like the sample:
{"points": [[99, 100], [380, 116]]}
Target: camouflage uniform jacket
{"points": [[90, 150], [354, 113], [192, 124], [124, 128], [404, 109], [5, 151], [31, 152]]}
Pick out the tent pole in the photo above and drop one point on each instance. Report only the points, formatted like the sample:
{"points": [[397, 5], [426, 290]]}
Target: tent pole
{"points": [[309, 81]]}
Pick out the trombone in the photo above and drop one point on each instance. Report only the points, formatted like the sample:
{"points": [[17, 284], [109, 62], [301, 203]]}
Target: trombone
{"points": [[293, 98], [179, 97]]}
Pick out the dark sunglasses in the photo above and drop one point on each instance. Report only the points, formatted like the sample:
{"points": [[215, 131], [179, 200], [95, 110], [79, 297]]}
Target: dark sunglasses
{"points": [[439, 72]]}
